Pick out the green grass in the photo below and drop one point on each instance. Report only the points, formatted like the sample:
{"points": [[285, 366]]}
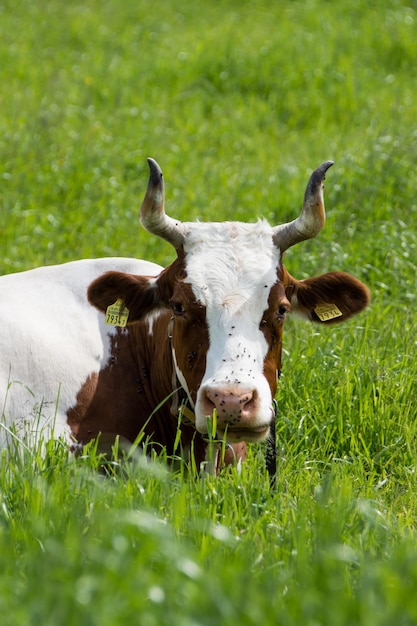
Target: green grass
{"points": [[238, 101]]}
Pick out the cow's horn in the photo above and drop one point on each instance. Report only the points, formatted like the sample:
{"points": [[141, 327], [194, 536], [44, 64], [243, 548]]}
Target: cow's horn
{"points": [[152, 213], [312, 217]]}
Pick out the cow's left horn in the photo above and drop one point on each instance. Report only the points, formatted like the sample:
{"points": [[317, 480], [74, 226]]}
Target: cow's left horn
{"points": [[312, 217], [152, 212]]}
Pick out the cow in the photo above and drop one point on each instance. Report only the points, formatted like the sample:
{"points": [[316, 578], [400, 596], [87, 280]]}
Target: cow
{"points": [[193, 346]]}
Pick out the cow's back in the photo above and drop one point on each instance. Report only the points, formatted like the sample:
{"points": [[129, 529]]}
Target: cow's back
{"points": [[51, 340]]}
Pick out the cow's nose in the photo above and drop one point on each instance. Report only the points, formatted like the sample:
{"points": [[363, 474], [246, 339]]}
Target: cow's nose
{"points": [[230, 404], [238, 408]]}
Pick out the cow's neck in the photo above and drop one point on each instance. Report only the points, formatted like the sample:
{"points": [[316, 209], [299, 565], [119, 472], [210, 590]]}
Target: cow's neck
{"points": [[124, 394], [151, 352], [176, 408]]}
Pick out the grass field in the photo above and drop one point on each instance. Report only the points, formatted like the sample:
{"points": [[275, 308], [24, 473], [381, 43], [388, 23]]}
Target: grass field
{"points": [[238, 101]]}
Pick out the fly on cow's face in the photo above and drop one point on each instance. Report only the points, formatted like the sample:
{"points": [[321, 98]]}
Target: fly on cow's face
{"points": [[191, 357]]}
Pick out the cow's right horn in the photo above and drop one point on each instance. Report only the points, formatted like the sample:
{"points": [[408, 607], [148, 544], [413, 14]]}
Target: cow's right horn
{"points": [[152, 212]]}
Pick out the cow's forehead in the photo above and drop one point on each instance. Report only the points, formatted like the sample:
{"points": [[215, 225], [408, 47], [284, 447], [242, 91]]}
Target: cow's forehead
{"points": [[230, 263]]}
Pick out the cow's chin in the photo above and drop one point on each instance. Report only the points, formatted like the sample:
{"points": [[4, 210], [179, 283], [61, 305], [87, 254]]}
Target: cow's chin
{"points": [[249, 435]]}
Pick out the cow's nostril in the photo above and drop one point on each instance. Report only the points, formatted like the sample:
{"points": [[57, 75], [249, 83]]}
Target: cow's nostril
{"points": [[212, 403], [248, 404]]}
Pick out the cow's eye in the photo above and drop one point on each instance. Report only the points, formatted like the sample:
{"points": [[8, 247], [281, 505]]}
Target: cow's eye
{"points": [[177, 307]]}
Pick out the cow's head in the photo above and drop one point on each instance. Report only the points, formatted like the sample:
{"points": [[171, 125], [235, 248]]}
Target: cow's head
{"points": [[229, 295]]}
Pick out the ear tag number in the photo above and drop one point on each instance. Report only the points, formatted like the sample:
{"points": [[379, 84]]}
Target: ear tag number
{"points": [[117, 314], [327, 312]]}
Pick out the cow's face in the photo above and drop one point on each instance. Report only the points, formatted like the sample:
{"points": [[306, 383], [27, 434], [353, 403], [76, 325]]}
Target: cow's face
{"points": [[229, 295], [228, 312]]}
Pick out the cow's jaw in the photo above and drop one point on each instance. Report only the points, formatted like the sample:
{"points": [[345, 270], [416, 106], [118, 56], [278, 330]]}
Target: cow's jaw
{"points": [[232, 268]]}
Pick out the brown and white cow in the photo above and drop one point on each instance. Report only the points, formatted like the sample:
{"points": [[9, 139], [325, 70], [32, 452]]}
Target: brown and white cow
{"points": [[205, 332]]}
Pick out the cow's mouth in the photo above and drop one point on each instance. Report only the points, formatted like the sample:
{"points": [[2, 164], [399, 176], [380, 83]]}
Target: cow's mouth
{"points": [[250, 435]]}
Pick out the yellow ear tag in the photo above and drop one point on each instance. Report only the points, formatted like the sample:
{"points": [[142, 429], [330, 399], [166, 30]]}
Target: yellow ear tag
{"points": [[117, 314], [327, 312]]}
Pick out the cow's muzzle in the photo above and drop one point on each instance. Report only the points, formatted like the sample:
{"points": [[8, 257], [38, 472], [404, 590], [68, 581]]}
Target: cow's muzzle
{"points": [[239, 414]]}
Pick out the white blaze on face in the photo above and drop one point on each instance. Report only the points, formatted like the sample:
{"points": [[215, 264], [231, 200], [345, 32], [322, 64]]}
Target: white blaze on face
{"points": [[232, 268]]}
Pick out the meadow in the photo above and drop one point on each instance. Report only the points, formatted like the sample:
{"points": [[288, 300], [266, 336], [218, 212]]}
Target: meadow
{"points": [[238, 101]]}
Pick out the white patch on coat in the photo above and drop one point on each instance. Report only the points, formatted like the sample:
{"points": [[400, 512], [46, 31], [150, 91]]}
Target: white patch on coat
{"points": [[181, 378], [232, 267]]}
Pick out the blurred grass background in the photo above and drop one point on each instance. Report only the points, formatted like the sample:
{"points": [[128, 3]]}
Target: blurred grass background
{"points": [[238, 102]]}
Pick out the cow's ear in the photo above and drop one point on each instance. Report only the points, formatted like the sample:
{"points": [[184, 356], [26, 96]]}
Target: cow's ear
{"points": [[329, 298], [140, 294]]}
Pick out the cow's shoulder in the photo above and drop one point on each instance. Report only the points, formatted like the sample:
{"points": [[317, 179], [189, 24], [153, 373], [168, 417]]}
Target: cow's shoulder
{"points": [[52, 339]]}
